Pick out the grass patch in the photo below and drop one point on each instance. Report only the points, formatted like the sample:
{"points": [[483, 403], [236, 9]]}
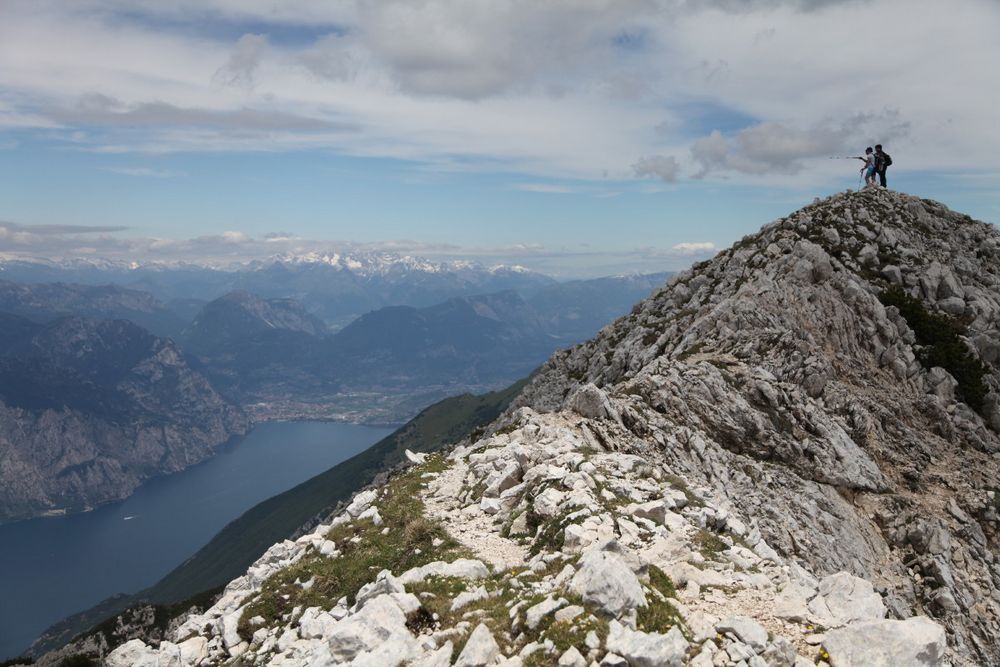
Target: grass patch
{"points": [[550, 533], [509, 428], [659, 581], [566, 634], [691, 351], [408, 543], [708, 544], [78, 660], [437, 593], [940, 337], [678, 483], [659, 614]]}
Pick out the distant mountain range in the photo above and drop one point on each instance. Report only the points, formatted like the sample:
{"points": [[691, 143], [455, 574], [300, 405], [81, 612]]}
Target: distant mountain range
{"points": [[271, 356], [336, 287], [103, 386]]}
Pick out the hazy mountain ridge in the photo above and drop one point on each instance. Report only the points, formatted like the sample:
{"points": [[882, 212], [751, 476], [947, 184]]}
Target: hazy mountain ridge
{"points": [[271, 356], [761, 464], [395, 354], [335, 286], [48, 301], [91, 408]]}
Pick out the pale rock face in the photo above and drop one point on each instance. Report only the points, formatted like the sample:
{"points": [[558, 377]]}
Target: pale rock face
{"points": [[463, 568], [133, 653], [641, 649], [572, 658], [593, 530], [843, 598], [792, 603], [384, 584], [314, 624], [379, 624], [481, 649], [745, 629], [439, 658], [589, 401], [534, 615], [605, 580], [362, 502], [916, 642], [468, 597]]}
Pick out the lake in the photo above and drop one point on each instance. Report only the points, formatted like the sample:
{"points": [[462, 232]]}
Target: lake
{"points": [[53, 567]]}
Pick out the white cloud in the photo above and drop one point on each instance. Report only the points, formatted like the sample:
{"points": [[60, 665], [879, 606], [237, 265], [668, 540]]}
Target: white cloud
{"points": [[696, 248], [775, 148], [559, 90], [545, 188], [242, 65], [74, 241], [663, 167], [145, 172]]}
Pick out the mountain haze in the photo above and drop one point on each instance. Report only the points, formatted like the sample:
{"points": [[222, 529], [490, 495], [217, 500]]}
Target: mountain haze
{"points": [[335, 286], [276, 359], [49, 301]]}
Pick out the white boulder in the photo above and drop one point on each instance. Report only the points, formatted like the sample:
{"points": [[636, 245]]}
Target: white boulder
{"points": [[647, 649], [481, 649], [844, 598], [604, 580], [915, 642]]}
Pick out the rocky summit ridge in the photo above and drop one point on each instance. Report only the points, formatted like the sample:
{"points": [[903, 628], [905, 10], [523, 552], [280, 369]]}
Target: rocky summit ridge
{"points": [[787, 456]]}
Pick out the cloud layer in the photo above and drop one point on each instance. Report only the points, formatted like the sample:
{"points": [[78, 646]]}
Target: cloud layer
{"points": [[76, 242], [664, 89]]}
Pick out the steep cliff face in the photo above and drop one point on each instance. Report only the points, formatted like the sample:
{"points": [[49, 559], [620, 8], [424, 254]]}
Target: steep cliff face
{"points": [[786, 456], [91, 408]]}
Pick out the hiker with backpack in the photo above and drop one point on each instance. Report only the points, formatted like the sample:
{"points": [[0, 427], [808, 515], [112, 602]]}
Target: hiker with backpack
{"points": [[869, 169], [882, 162]]}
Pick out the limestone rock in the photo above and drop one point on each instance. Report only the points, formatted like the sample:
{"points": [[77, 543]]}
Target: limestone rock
{"points": [[641, 649], [463, 568], [915, 642], [481, 649], [604, 580], [745, 629], [589, 401], [843, 598], [379, 626]]}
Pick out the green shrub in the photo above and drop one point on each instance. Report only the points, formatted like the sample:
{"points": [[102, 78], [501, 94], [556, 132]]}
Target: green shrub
{"points": [[940, 337], [708, 543], [78, 660]]}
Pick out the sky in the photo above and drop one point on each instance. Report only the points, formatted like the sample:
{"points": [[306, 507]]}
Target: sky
{"points": [[574, 137]]}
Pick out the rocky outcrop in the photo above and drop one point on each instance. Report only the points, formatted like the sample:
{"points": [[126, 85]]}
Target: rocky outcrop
{"points": [[765, 464], [691, 587], [89, 409]]}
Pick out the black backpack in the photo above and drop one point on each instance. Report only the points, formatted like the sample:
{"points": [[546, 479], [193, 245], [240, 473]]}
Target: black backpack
{"points": [[886, 160]]}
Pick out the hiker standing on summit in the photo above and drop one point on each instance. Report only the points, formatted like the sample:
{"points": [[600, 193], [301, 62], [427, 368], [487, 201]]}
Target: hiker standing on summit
{"points": [[882, 162], [869, 169]]}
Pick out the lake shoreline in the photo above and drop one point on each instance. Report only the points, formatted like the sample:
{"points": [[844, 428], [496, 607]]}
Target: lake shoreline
{"points": [[55, 566]]}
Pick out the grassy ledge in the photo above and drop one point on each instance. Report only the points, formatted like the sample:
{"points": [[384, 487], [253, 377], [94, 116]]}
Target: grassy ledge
{"points": [[405, 539]]}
